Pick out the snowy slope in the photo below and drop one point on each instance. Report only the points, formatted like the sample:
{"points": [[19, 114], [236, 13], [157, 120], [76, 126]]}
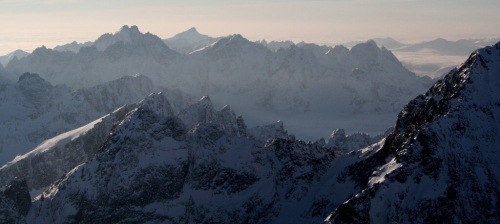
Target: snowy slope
{"points": [[32, 110], [440, 163], [56, 156]]}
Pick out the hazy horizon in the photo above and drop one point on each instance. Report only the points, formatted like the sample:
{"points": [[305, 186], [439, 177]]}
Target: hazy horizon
{"points": [[33, 23]]}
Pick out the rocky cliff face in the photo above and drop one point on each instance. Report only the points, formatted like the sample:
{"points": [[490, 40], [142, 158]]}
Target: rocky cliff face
{"points": [[439, 164]]}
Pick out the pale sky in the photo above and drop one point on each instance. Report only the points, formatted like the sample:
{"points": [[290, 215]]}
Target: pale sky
{"points": [[27, 24]]}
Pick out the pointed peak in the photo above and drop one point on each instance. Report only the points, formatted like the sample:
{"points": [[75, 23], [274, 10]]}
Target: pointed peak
{"points": [[204, 98], [371, 43], [338, 133], [124, 28], [157, 103], [128, 30], [192, 30], [236, 37], [204, 101], [366, 49]]}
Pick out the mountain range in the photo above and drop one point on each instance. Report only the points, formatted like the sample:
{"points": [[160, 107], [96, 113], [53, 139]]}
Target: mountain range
{"points": [[437, 165], [299, 79], [97, 146]]}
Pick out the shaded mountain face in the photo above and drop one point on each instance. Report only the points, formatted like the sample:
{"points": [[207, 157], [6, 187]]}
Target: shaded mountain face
{"points": [[33, 110], [56, 156], [440, 163]]}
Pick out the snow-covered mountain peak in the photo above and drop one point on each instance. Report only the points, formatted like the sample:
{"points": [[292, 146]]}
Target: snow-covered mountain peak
{"points": [[338, 135], [369, 49], [473, 81], [201, 111], [126, 30], [189, 36], [32, 84], [4, 60], [159, 104], [189, 41], [235, 41], [205, 101], [126, 35], [267, 132], [338, 49]]}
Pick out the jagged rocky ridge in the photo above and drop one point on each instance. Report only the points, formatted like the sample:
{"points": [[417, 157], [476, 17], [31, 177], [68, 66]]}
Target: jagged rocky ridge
{"points": [[440, 163], [207, 173], [56, 156]]}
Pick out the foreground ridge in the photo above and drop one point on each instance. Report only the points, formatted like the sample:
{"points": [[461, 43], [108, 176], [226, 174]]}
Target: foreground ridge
{"points": [[440, 163]]}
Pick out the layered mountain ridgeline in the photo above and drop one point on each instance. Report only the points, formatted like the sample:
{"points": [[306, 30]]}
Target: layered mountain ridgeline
{"points": [[299, 78], [440, 163], [437, 165], [33, 110], [201, 165]]}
